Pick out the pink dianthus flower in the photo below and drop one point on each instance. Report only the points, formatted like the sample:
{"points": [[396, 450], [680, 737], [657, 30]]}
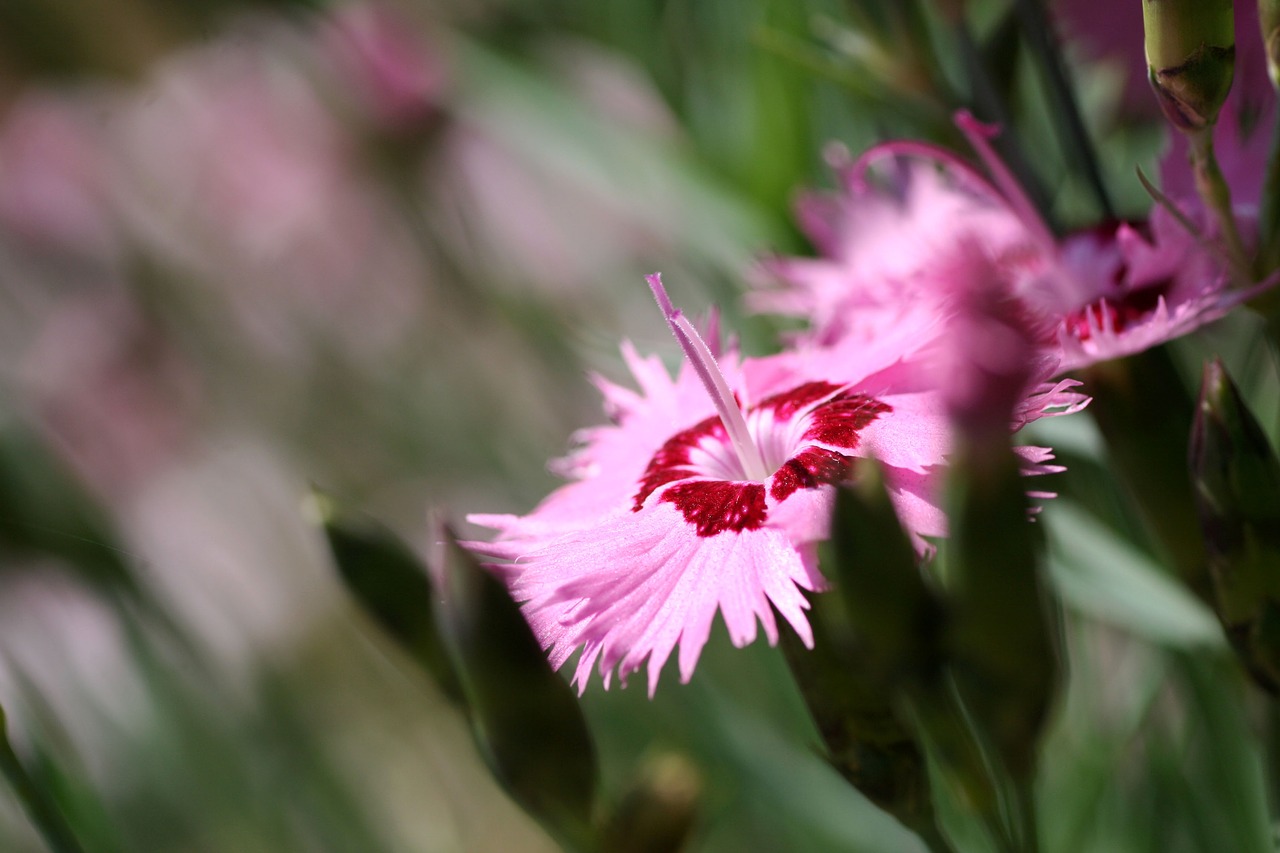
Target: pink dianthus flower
{"points": [[710, 491], [1098, 294]]}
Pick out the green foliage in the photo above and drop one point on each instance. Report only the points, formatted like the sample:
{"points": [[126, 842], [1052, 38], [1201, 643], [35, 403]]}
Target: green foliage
{"points": [[163, 712]]}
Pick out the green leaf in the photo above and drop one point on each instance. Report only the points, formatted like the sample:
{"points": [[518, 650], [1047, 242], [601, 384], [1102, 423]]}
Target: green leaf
{"points": [[393, 587], [526, 720], [1100, 574]]}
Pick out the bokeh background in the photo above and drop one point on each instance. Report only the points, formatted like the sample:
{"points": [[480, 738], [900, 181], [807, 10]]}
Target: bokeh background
{"points": [[248, 249]]}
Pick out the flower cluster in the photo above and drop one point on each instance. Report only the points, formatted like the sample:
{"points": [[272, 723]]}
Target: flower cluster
{"points": [[942, 304], [1098, 294]]}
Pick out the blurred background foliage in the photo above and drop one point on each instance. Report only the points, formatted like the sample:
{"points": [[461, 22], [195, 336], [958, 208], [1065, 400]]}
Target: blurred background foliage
{"points": [[251, 247]]}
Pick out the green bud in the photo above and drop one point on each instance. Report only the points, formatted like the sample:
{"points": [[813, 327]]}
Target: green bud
{"points": [[1237, 480], [1269, 18], [657, 813], [874, 637], [870, 739], [895, 617], [391, 585], [45, 511], [1001, 637], [525, 718], [1190, 48]]}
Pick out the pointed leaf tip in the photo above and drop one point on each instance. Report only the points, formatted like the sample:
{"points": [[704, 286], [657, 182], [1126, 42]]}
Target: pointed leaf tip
{"points": [[525, 718], [389, 583]]}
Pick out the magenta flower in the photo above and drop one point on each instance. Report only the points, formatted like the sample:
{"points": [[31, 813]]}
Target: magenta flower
{"points": [[708, 494], [1099, 294], [397, 75]]}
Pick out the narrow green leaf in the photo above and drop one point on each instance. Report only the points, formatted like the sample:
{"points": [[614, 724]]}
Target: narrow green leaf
{"points": [[36, 801], [1100, 574], [392, 585], [526, 720]]}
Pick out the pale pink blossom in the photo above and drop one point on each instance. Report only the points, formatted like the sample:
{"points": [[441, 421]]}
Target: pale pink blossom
{"points": [[1098, 294], [228, 166], [53, 176], [110, 391], [392, 70], [708, 494]]}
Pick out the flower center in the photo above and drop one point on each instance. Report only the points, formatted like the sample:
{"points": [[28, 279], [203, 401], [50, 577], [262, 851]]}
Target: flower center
{"points": [[704, 364], [808, 434], [1114, 315], [716, 471]]}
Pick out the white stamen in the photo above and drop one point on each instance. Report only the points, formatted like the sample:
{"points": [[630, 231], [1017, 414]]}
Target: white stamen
{"points": [[704, 364]]}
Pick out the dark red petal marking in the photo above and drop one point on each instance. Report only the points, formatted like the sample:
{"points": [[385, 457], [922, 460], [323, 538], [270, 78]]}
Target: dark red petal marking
{"points": [[839, 420], [672, 459], [786, 404], [716, 506], [808, 469]]}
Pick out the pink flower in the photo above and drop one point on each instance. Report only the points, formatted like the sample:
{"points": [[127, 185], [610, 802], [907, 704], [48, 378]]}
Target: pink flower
{"points": [[52, 176], [229, 165], [972, 354], [1099, 294], [397, 75], [110, 392], [708, 494]]}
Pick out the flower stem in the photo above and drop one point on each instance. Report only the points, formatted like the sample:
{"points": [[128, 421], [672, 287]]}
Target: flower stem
{"points": [[1269, 211], [1217, 197]]}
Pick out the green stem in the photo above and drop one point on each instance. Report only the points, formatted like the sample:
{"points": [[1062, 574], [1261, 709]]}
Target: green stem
{"points": [[1039, 35], [1025, 804], [1213, 189], [968, 767], [40, 808], [1269, 211]]}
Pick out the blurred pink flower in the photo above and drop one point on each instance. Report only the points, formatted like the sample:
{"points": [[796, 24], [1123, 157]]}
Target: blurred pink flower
{"points": [[1096, 295], [708, 494], [396, 75], [964, 353], [229, 166], [880, 240], [993, 375], [53, 176], [111, 392]]}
